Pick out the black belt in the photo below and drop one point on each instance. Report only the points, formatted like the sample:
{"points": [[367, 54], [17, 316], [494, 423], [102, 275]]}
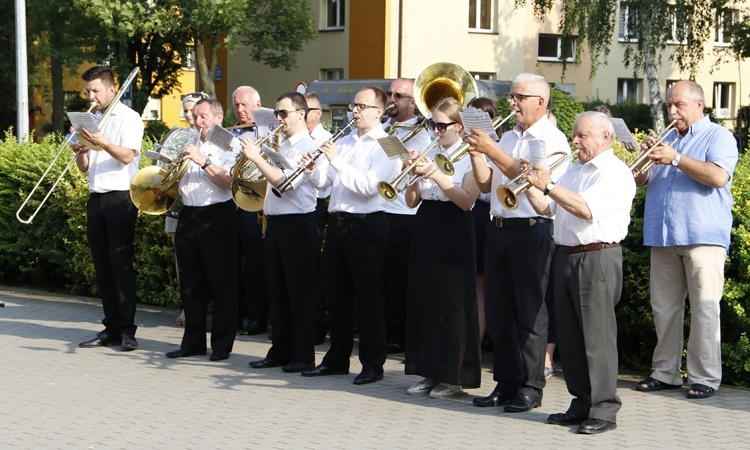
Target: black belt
{"points": [[101, 194], [514, 222], [340, 215], [589, 247]]}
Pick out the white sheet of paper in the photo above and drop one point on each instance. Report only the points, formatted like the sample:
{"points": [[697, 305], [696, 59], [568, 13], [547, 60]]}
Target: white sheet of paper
{"points": [[222, 138], [474, 118], [538, 153], [624, 135], [86, 120], [393, 147], [276, 159], [264, 117]]}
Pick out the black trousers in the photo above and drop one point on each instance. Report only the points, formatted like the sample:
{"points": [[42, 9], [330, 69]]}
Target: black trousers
{"points": [[291, 252], [110, 228], [396, 271], [587, 289], [253, 290], [353, 269], [516, 262], [321, 218], [206, 244]]}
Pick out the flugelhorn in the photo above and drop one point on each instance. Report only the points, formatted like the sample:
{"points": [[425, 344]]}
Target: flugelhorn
{"points": [[102, 120], [508, 193], [248, 183], [446, 163], [643, 162], [278, 191], [390, 191]]}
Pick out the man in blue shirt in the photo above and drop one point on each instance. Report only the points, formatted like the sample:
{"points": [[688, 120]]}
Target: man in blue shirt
{"points": [[687, 224]]}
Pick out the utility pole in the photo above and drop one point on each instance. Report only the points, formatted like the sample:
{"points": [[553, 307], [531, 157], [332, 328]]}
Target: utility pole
{"points": [[22, 73]]}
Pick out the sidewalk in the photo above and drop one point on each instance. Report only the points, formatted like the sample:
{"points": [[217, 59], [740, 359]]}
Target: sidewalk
{"points": [[54, 394]]}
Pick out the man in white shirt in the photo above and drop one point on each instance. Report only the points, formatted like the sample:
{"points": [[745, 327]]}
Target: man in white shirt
{"points": [[291, 244], [591, 203], [255, 292], [353, 257], [400, 216], [111, 216], [518, 249], [206, 242]]}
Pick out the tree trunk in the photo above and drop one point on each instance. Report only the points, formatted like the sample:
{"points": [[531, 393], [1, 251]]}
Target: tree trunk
{"points": [[58, 95], [205, 75], [655, 101]]}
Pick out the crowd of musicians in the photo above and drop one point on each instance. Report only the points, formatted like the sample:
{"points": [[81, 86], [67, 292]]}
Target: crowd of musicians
{"points": [[427, 273]]}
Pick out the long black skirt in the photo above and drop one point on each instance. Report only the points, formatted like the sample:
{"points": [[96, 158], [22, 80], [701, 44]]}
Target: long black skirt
{"points": [[442, 325]]}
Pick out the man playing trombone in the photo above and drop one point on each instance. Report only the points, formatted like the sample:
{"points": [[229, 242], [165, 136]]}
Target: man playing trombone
{"points": [[518, 249], [110, 224]]}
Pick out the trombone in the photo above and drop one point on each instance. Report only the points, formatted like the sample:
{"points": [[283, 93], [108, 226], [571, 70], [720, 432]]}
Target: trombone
{"points": [[508, 193], [102, 121], [643, 162], [390, 191], [446, 163]]}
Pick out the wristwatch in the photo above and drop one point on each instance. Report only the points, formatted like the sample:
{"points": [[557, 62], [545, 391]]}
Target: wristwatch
{"points": [[676, 160], [551, 185], [206, 164]]}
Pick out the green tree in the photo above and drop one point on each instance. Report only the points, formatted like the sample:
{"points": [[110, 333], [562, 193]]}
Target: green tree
{"points": [[649, 25]]}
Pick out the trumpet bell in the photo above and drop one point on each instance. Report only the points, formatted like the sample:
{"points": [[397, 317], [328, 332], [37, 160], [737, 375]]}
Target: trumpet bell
{"points": [[387, 191], [507, 197], [147, 193], [444, 164], [441, 80]]}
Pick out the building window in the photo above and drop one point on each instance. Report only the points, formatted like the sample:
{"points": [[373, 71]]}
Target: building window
{"points": [[483, 75], [332, 74], [335, 14], [551, 48], [628, 90], [671, 83], [338, 117], [725, 18], [152, 110], [680, 26], [568, 88], [628, 21], [724, 100], [482, 15]]}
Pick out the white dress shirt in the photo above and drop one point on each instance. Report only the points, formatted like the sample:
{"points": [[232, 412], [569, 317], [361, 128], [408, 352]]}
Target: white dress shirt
{"points": [[320, 135], [516, 144], [124, 128], [429, 190], [197, 188], [301, 198], [355, 173], [608, 187], [417, 144]]}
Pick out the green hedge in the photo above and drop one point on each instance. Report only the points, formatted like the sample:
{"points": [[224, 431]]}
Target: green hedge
{"points": [[52, 254]]}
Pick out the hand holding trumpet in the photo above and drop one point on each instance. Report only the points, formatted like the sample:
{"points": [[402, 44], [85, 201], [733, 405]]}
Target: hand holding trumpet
{"points": [[663, 153]]}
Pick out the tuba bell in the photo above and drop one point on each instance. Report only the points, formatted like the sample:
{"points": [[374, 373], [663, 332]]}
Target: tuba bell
{"points": [[441, 80]]}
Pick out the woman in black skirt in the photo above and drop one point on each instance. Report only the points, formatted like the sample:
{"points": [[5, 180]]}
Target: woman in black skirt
{"points": [[442, 331]]}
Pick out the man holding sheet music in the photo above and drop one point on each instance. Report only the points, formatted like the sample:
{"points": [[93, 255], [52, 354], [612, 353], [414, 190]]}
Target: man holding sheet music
{"points": [[110, 224], [206, 242]]}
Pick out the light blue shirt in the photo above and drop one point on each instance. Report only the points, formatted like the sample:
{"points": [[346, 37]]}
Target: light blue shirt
{"points": [[682, 211]]}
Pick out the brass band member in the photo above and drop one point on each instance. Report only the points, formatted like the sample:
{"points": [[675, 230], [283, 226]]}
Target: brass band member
{"points": [[110, 224]]}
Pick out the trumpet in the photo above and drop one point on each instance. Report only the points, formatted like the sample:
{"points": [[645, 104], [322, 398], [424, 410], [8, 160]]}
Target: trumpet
{"points": [[102, 121], [642, 163], [248, 183], [446, 163], [278, 191], [508, 195], [390, 191]]}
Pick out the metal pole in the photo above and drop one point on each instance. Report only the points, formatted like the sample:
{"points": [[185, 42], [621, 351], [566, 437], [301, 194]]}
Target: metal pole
{"points": [[22, 78]]}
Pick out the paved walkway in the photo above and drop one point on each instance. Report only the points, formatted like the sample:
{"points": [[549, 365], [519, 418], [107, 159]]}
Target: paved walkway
{"points": [[56, 395]]}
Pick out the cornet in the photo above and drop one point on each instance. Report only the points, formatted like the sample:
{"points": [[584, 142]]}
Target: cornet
{"points": [[643, 162], [508, 193], [390, 191]]}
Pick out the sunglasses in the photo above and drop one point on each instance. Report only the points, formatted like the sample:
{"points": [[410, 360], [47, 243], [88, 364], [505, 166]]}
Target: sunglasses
{"points": [[398, 95], [284, 113], [440, 126], [195, 95]]}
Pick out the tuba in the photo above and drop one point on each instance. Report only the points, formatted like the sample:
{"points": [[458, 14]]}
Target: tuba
{"points": [[248, 183], [441, 80]]}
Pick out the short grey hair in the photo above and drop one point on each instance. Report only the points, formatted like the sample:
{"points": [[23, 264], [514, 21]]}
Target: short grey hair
{"points": [[600, 121], [255, 96], [537, 80]]}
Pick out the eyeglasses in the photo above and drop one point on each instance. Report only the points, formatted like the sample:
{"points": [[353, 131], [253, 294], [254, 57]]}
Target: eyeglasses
{"points": [[360, 106], [194, 95], [440, 126], [283, 113], [518, 98], [398, 95]]}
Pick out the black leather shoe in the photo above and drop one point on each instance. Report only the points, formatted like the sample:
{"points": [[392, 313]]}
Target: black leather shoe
{"points": [[253, 328], [367, 377], [564, 419], [596, 426], [129, 343], [522, 403], [102, 339], [265, 363], [394, 347], [218, 356], [181, 353], [494, 399], [323, 370], [296, 367]]}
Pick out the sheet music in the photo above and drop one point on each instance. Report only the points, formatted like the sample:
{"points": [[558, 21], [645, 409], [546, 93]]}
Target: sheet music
{"points": [[624, 135], [222, 138], [538, 153], [276, 159], [474, 118], [85, 120], [157, 156], [393, 147], [264, 117]]}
